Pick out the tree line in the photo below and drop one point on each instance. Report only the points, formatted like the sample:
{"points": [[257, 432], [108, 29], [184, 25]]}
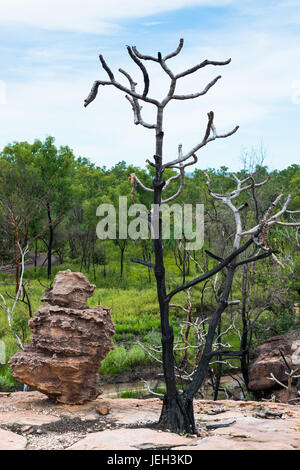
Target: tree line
{"points": [[48, 198]]}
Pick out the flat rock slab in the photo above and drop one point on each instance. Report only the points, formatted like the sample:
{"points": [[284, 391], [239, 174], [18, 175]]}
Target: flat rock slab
{"points": [[32, 407], [139, 411], [222, 443], [87, 428], [11, 441], [132, 439]]}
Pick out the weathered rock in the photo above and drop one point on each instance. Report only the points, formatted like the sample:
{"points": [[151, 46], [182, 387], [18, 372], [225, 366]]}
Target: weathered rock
{"points": [[103, 409], [266, 359], [64, 426], [131, 439], [69, 341], [11, 441], [69, 290]]}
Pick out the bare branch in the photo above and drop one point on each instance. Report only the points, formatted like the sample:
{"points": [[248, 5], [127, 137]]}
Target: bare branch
{"points": [[256, 258], [277, 381], [129, 78], [212, 271], [155, 59], [10, 311], [106, 68], [173, 178], [207, 138], [274, 257], [214, 256], [269, 220], [176, 52], [93, 93], [144, 263], [150, 163], [143, 69], [118, 85], [180, 190], [200, 66], [200, 93], [288, 224], [151, 391], [136, 108], [195, 160], [293, 212], [135, 103], [133, 178], [181, 174], [166, 69], [142, 56], [234, 194]]}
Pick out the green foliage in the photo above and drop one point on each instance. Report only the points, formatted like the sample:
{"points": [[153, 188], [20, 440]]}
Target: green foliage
{"points": [[121, 359], [42, 175], [131, 394], [273, 325], [7, 382]]}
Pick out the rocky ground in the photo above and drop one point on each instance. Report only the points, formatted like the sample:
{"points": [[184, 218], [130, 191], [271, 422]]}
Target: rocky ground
{"points": [[32, 421], [41, 260]]}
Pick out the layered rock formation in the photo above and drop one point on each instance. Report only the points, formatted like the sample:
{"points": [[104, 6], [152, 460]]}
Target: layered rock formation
{"points": [[266, 359], [69, 341]]}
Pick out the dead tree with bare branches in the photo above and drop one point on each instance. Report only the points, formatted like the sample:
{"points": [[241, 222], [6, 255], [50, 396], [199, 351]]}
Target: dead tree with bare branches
{"points": [[177, 412]]}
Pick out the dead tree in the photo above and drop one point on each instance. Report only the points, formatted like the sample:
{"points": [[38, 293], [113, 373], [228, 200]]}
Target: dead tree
{"points": [[177, 412], [11, 310]]}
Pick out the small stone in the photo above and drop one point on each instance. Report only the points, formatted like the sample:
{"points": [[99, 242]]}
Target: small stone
{"points": [[103, 410], [26, 429]]}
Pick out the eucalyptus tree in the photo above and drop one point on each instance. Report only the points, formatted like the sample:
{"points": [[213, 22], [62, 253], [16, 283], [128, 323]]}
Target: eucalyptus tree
{"points": [[177, 411], [56, 169], [21, 201], [43, 183]]}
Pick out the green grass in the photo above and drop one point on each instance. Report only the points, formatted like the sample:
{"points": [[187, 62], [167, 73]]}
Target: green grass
{"points": [[123, 359], [7, 382], [131, 394]]}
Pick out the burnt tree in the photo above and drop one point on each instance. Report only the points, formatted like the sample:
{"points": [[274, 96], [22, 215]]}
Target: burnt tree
{"points": [[177, 411]]}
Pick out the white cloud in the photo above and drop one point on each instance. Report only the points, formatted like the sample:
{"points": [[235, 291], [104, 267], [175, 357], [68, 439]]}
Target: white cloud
{"points": [[152, 23], [255, 89], [98, 16]]}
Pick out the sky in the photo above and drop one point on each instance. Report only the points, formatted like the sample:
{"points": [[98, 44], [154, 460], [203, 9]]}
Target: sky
{"points": [[49, 59]]}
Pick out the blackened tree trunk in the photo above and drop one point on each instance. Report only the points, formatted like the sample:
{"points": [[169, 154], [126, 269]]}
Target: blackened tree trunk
{"points": [[122, 246], [244, 337], [177, 412], [35, 254]]}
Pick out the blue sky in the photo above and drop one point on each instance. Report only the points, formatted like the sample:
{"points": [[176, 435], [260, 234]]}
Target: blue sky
{"points": [[49, 59]]}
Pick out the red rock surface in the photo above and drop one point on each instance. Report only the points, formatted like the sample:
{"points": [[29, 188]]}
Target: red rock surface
{"points": [[50, 426], [266, 359], [11, 441], [69, 341]]}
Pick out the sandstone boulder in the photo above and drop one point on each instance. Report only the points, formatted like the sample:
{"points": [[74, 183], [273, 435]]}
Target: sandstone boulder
{"points": [[69, 341], [266, 359], [69, 290]]}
